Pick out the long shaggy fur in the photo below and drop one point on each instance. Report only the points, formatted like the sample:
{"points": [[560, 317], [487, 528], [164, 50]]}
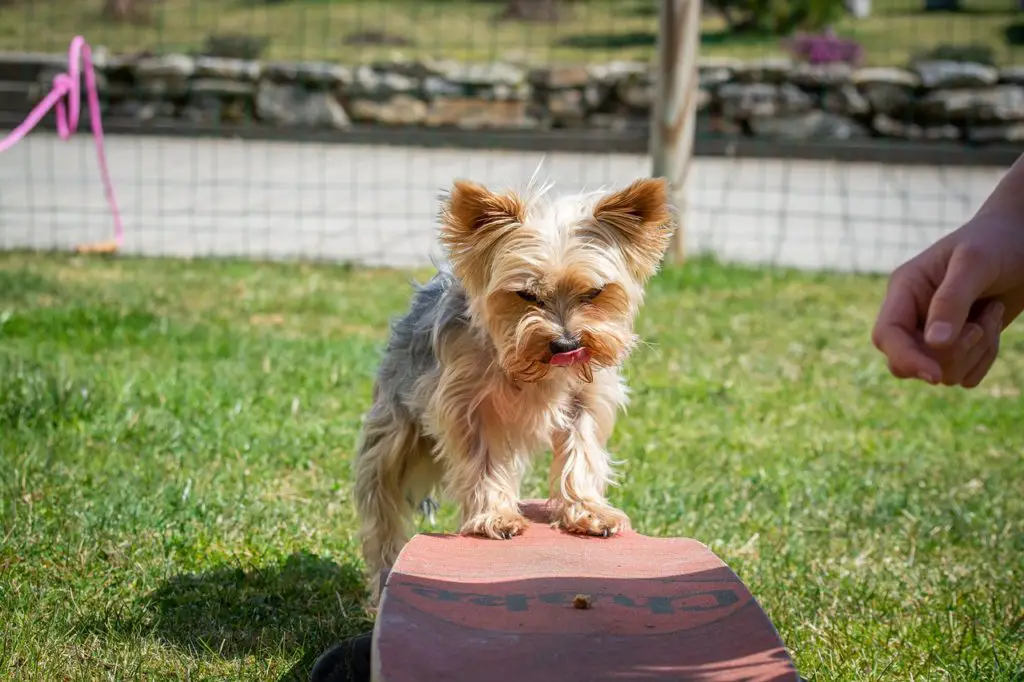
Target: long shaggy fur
{"points": [[467, 395]]}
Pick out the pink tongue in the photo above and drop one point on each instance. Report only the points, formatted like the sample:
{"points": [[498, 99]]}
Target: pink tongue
{"points": [[573, 357]]}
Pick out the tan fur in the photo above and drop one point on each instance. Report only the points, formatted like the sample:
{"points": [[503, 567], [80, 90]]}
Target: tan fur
{"points": [[491, 401]]}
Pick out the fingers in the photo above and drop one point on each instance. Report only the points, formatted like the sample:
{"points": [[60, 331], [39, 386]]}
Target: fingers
{"points": [[963, 355], [906, 359], [977, 374], [966, 278], [992, 322], [897, 340]]}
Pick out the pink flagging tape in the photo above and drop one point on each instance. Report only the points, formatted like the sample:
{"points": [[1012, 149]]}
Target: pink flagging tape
{"points": [[66, 96]]}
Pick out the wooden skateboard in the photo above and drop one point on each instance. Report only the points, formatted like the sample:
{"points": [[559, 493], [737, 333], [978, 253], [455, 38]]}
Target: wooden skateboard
{"points": [[548, 605]]}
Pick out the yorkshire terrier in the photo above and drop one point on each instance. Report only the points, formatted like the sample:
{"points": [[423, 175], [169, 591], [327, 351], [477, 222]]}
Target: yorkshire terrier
{"points": [[512, 349]]}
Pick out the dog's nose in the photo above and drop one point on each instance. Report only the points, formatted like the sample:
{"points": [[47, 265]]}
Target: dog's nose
{"points": [[564, 345]]}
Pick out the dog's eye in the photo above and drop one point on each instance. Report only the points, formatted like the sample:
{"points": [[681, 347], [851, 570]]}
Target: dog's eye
{"points": [[592, 294], [531, 298]]}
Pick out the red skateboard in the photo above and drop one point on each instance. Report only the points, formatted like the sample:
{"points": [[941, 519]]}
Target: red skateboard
{"points": [[548, 605]]}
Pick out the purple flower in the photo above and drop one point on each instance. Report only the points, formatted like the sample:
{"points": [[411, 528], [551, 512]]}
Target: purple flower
{"points": [[824, 48]]}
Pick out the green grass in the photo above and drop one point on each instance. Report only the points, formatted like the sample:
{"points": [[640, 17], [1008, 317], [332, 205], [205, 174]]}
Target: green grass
{"points": [[597, 30], [176, 440]]}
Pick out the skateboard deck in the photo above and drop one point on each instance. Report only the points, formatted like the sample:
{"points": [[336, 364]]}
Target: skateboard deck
{"points": [[548, 605]]}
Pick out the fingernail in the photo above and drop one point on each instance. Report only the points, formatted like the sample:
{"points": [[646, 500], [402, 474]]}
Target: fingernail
{"points": [[939, 332], [997, 311], [924, 376], [974, 336]]}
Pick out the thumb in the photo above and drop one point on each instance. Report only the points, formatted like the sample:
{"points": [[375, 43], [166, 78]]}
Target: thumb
{"points": [[964, 283]]}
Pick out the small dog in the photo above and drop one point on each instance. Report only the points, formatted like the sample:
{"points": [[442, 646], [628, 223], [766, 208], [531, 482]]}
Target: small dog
{"points": [[511, 350]]}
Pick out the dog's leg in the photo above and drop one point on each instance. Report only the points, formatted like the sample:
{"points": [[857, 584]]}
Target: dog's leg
{"points": [[394, 473], [581, 471], [483, 477]]}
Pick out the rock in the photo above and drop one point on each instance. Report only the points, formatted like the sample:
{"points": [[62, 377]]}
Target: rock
{"points": [[566, 106], [888, 126], [409, 68], [222, 87], [835, 127], [1007, 132], [888, 99], [43, 87], [715, 71], [435, 86], [502, 91], [560, 77], [741, 101], [236, 69], [612, 73], [398, 110], [882, 75], [315, 74], [1001, 103], [704, 99], [488, 74], [618, 122], [713, 77], [812, 124], [474, 114], [293, 105], [143, 112], [172, 65], [636, 92], [371, 83], [164, 76], [205, 108], [798, 127], [948, 74], [1012, 74], [766, 70], [845, 100], [21, 67], [719, 125], [889, 91], [210, 109], [821, 75]]}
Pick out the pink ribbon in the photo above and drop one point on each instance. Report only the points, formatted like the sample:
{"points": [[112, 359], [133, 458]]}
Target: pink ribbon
{"points": [[67, 86]]}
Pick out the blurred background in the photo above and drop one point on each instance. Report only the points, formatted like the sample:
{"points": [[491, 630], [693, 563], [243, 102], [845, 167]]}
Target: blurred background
{"points": [[833, 134]]}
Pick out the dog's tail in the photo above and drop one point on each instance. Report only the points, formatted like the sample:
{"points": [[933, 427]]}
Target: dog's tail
{"points": [[395, 474]]}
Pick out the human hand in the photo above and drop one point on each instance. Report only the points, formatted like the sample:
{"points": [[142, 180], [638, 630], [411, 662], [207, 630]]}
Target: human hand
{"points": [[945, 309]]}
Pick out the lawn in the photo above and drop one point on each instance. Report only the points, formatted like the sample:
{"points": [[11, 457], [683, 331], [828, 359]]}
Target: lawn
{"points": [[176, 440], [596, 30]]}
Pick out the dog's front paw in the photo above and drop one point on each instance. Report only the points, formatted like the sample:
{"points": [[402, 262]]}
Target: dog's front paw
{"points": [[592, 519], [498, 524]]}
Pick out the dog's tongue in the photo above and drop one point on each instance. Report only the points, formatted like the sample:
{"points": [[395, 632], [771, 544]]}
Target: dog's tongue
{"points": [[573, 357]]}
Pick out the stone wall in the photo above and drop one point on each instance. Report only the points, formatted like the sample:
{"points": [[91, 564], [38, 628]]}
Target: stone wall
{"points": [[771, 98]]}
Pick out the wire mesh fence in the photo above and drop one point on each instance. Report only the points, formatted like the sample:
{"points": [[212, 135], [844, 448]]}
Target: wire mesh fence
{"points": [[566, 74]]}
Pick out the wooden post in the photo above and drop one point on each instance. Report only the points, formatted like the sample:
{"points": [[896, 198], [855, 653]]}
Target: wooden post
{"points": [[674, 114]]}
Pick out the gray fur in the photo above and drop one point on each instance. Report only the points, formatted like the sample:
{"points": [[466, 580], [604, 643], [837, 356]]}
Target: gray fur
{"points": [[437, 307]]}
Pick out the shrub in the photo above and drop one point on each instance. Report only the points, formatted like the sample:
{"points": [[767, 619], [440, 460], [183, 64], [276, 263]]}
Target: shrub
{"points": [[778, 17], [981, 54]]}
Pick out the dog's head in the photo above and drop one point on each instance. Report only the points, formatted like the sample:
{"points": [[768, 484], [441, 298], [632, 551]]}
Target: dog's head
{"points": [[556, 283]]}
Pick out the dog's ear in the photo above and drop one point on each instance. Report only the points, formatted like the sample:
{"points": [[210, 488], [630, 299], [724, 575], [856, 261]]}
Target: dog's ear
{"points": [[640, 220], [473, 222]]}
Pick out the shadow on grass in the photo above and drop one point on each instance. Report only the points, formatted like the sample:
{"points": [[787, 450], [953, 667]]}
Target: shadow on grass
{"points": [[610, 41], [951, 14], [302, 604], [725, 37], [1014, 34]]}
